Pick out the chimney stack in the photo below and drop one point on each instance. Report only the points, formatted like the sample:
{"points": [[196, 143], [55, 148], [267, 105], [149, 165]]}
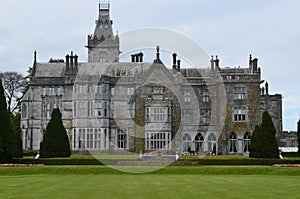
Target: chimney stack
{"points": [[212, 63], [141, 55], [67, 61], [71, 59], [174, 61], [255, 66], [263, 91], [138, 57], [217, 61], [76, 60]]}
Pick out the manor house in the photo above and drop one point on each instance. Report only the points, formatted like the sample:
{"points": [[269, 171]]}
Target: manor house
{"points": [[108, 105]]}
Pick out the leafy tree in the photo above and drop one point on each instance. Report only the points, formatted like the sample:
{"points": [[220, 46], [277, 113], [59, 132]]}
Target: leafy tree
{"points": [[6, 132], [55, 141], [15, 86], [263, 142], [298, 136]]}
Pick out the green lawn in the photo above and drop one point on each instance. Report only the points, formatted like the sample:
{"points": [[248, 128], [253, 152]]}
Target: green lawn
{"points": [[172, 182]]}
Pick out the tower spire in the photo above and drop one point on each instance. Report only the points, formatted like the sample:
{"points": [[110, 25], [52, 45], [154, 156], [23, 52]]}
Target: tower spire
{"points": [[103, 46]]}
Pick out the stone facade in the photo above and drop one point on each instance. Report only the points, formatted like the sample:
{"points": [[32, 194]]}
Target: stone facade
{"points": [[109, 105]]}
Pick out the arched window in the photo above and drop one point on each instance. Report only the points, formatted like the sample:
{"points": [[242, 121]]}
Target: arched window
{"points": [[199, 142], [186, 142], [246, 142], [212, 143], [232, 143]]}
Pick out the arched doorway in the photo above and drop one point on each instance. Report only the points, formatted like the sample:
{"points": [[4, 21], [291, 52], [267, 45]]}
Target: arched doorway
{"points": [[212, 144], [232, 144], [186, 142], [199, 140], [246, 142]]}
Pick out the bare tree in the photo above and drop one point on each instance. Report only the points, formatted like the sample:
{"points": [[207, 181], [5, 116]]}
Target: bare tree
{"points": [[15, 85]]}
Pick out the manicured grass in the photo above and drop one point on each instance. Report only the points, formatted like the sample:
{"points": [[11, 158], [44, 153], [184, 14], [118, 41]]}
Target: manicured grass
{"points": [[170, 182], [149, 186]]}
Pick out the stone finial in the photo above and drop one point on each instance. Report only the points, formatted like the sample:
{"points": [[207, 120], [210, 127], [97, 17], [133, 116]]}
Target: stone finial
{"points": [[157, 53]]}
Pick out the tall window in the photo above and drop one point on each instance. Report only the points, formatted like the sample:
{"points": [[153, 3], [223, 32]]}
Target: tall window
{"points": [[90, 108], [188, 116], [81, 89], [97, 140], [199, 140], [112, 91], [58, 91], [49, 108], [205, 114], [186, 143], [51, 91], [130, 91], [239, 114], [131, 110], [232, 143], [81, 108], [90, 138], [205, 97], [81, 139], [112, 109], [246, 142], [121, 139], [157, 114], [158, 141], [187, 96], [158, 92], [98, 109], [44, 91], [240, 93], [101, 89]]}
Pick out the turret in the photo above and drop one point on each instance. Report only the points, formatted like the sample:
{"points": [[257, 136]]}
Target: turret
{"points": [[103, 46]]}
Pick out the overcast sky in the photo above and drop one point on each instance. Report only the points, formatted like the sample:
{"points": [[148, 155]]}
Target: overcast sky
{"points": [[232, 29]]}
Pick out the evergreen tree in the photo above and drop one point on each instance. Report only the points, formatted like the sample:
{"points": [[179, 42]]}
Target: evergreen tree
{"points": [[55, 141], [6, 132], [255, 142], [16, 120], [263, 142], [298, 136]]}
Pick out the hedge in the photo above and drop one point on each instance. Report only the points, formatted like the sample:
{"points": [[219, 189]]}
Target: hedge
{"points": [[266, 162], [290, 154], [73, 161]]}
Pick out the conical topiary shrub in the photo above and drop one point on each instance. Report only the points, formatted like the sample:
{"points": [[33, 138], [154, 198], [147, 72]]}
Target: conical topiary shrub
{"points": [[55, 141]]}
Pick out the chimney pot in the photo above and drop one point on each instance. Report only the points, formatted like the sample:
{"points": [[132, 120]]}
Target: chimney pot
{"points": [[178, 65], [141, 57]]}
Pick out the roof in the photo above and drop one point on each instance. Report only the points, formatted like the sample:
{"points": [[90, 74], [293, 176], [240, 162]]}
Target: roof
{"points": [[92, 72], [50, 70]]}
